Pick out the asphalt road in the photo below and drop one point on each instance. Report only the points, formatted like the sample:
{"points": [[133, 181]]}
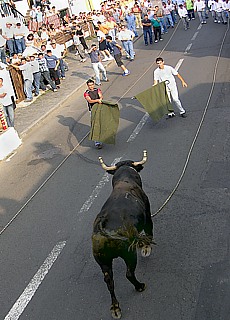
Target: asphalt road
{"points": [[52, 190]]}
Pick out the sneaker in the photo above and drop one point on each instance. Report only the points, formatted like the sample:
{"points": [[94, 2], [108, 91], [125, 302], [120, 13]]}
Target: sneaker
{"points": [[193, 18], [77, 54], [132, 59], [98, 145], [171, 115], [106, 80], [125, 74], [156, 41], [63, 78], [28, 100], [111, 58], [105, 59], [183, 115], [36, 94], [215, 21], [54, 90], [83, 60], [161, 39], [98, 84]]}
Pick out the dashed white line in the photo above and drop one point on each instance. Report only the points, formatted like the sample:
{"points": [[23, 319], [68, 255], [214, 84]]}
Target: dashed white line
{"points": [[200, 26], [179, 63], [188, 48], [194, 36], [88, 203], [138, 128], [28, 293]]}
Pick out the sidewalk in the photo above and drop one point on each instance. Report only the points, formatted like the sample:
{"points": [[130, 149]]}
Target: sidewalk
{"points": [[28, 114]]}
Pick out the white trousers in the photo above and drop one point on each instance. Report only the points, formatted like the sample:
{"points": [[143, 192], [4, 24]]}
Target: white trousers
{"points": [[174, 96], [97, 67]]}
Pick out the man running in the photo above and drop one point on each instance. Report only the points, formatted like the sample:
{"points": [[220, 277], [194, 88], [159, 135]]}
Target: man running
{"points": [[167, 73]]}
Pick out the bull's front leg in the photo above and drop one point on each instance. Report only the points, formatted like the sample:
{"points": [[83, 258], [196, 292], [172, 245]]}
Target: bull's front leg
{"points": [[108, 278]]}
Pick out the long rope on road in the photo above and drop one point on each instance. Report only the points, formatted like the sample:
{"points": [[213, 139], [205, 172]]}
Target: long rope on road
{"points": [[79, 143], [198, 129], [73, 150]]}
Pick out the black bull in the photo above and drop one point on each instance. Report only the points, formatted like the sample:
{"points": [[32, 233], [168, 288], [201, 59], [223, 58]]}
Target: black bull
{"points": [[123, 225]]}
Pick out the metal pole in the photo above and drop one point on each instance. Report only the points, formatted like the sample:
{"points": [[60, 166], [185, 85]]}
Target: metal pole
{"points": [[91, 9]]}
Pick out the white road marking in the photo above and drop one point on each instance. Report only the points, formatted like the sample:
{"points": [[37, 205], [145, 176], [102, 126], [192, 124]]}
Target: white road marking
{"points": [[88, 203], [28, 293], [194, 36], [179, 63], [138, 128], [188, 48], [200, 26]]}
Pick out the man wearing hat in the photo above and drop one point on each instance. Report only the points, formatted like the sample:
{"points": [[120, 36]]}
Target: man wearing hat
{"points": [[8, 34]]}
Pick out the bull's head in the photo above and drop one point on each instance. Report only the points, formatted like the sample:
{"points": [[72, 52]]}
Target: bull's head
{"points": [[138, 166]]}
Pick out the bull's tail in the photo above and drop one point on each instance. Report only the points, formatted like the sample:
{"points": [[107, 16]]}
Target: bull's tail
{"points": [[130, 235]]}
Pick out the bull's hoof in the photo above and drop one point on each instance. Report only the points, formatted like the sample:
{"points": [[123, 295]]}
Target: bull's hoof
{"points": [[115, 311], [141, 287], [145, 251]]}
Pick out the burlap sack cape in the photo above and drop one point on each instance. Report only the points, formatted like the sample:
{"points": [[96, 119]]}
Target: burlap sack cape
{"points": [[155, 101], [104, 122]]}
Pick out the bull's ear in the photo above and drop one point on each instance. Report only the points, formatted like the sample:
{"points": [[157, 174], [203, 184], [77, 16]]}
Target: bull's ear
{"points": [[139, 167], [111, 172]]}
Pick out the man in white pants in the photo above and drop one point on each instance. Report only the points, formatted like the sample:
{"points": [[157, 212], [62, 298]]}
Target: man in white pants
{"points": [[167, 73], [97, 65]]}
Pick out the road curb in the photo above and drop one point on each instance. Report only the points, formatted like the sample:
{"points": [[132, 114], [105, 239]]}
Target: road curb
{"points": [[60, 104]]}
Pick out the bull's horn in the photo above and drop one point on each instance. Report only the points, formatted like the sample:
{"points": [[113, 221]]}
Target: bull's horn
{"points": [[143, 160], [104, 166]]}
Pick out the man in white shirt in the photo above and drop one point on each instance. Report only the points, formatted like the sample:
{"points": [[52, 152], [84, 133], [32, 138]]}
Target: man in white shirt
{"points": [[126, 37], [20, 32], [199, 6], [6, 101], [2, 49], [59, 50], [8, 34], [183, 14], [167, 74], [103, 45]]}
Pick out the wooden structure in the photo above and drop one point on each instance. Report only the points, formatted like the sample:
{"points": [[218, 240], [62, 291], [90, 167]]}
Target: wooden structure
{"points": [[17, 80]]}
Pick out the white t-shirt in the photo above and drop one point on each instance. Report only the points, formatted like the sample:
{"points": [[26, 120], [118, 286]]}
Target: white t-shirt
{"points": [[165, 74], [100, 35], [6, 101], [58, 50]]}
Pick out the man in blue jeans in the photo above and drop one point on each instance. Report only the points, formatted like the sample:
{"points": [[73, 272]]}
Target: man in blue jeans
{"points": [[8, 34], [36, 74], [20, 33], [147, 29]]}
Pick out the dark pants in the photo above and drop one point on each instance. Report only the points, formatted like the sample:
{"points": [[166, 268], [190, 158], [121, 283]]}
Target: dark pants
{"points": [[45, 76], [157, 33], [148, 33], [191, 14], [54, 76], [82, 39]]}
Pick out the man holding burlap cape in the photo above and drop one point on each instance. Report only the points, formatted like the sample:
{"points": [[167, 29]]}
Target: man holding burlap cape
{"points": [[104, 116]]}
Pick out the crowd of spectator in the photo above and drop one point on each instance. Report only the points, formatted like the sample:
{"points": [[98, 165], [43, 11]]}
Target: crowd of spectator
{"points": [[32, 48]]}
